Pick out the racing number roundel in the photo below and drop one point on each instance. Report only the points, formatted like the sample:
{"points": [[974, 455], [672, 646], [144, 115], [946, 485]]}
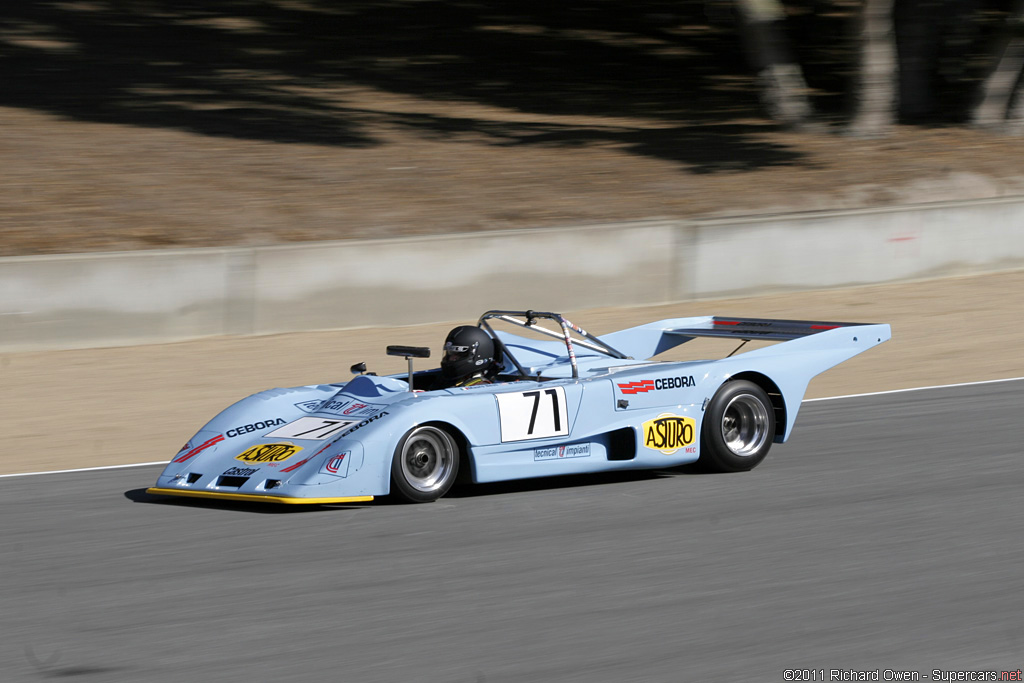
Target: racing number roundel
{"points": [[668, 433]]}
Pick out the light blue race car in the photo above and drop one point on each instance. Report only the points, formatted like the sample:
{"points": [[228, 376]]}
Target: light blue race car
{"points": [[572, 405]]}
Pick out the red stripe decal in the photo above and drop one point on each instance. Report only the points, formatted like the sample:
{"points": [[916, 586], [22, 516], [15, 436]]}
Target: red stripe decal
{"points": [[727, 322], [200, 448], [292, 468], [637, 387], [824, 327]]}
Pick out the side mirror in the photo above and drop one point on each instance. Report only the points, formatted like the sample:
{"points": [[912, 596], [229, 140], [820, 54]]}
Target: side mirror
{"points": [[409, 352], [358, 368]]}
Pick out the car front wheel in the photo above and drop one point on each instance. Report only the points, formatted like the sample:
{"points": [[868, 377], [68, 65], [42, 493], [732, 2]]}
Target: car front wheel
{"points": [[425, 465]]}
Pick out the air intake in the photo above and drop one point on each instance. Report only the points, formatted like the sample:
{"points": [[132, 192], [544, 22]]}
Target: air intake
{"points": [[232, 482], [622, 444]]}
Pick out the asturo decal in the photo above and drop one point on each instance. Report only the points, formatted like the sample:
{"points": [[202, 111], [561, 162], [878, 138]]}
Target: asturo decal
{"points": [[668, 433], [269, 453]]}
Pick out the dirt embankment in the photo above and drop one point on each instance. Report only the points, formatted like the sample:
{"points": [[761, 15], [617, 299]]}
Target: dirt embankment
{"points": [[139, 125]]}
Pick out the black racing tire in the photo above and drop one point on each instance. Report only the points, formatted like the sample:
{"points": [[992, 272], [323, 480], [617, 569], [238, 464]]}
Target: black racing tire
{"points": [[738, 428], [425, 464]]}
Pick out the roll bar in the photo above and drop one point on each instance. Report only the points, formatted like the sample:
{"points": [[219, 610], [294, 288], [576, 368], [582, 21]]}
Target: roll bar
{"points": [[528, 319]]}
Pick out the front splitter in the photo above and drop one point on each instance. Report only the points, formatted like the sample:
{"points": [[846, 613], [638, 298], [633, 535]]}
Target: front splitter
{"points": [[254, 498]]}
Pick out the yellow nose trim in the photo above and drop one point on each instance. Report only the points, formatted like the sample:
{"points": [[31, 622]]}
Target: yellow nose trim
{"points": [[253, 498]]}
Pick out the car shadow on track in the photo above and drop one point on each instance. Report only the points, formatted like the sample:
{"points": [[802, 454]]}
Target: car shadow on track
{"points": [[460, 490], [142, 496], [467, 490]]}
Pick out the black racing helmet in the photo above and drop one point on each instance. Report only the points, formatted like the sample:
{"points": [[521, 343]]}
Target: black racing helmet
{"points": [[467, 350]]}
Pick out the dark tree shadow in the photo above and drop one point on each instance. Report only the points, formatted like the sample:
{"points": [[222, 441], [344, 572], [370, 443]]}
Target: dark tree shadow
{"points": [[660, 79]]}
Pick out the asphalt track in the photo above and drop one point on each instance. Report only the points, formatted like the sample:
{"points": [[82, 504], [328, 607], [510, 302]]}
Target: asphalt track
{"points": [[885, 535]]}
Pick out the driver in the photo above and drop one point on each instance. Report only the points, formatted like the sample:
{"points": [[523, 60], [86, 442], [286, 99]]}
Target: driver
{"points": [[468, 356]]}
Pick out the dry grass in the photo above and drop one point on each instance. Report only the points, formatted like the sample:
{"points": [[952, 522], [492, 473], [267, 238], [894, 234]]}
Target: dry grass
{"points": [[138, 124]]}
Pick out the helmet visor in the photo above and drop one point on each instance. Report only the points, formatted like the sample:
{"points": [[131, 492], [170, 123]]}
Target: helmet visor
{"points": [[456, 352]]}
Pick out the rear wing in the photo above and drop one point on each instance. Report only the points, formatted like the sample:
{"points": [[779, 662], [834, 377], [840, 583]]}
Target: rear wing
{"points": [[749, 329], [647, 341]]}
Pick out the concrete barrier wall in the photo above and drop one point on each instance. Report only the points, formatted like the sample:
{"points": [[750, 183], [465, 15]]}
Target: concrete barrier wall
{"points": [[847, 248], [76, 301], [349, 284], [113, 299]]}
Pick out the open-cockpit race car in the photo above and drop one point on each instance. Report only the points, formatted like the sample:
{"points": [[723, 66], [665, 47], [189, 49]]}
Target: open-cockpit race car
{"points": [[561, 401]]}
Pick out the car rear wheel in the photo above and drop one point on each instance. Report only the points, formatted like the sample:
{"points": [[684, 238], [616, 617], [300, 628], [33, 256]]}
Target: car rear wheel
{"points": [[425, 465], [738, 428]]}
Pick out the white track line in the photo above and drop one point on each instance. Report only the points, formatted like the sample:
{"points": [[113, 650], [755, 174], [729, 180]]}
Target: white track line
{"points": [[806, 400], [902, 391], [86, 469]]}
